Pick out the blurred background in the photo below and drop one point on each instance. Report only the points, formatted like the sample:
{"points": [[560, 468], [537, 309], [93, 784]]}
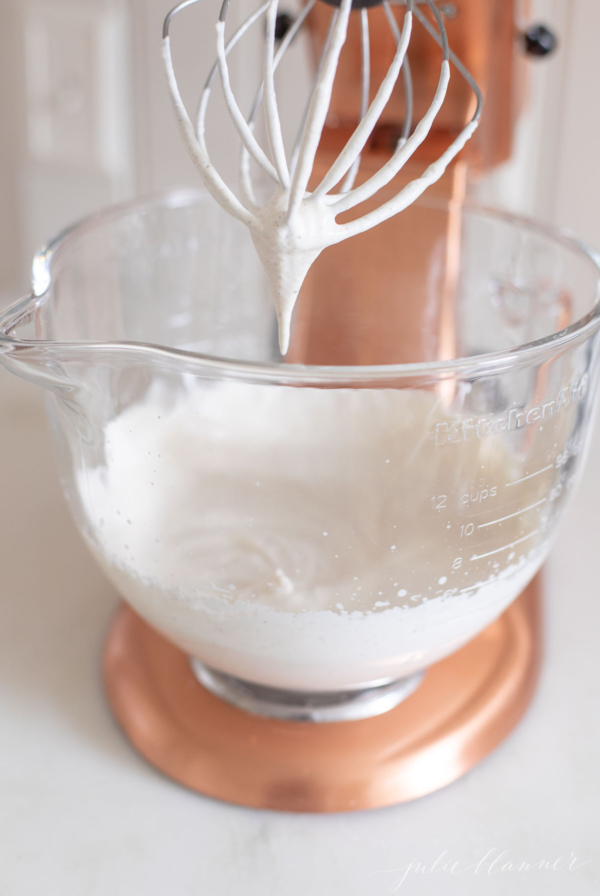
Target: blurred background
{"points": [[86, 120]]}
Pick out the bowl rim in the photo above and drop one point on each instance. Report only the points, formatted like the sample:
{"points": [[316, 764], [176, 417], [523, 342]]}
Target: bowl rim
{"points": [[279, 371]]}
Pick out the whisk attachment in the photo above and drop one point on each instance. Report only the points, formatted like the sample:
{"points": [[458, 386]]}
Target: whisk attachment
{"points": [[294, 225]]}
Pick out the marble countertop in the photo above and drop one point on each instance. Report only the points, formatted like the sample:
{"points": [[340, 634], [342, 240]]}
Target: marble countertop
{"points": [[82, 813]]}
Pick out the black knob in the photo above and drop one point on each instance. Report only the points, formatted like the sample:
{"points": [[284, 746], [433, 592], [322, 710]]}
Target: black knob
{"points": [[283, 23], [539, 41]]}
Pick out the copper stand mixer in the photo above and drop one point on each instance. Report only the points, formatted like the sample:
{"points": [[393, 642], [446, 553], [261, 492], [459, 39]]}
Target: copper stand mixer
{"points": [[471, 700], [328, 548]]}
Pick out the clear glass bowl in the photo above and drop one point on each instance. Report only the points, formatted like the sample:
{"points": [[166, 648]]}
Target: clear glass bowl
{"points": [[314, 534]]}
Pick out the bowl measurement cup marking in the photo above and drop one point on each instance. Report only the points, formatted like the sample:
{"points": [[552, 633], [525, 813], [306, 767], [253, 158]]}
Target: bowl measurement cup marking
{"points": [[511, 515], [506, 546], [531, 475]]}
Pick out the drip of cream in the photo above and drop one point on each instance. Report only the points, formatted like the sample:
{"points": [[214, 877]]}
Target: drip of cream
{"points": [[295, 225]]}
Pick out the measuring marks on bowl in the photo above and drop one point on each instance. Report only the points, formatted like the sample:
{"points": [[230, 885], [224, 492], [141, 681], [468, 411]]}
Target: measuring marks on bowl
{"points": [[518, 509], [509, 516], [530, 476]]}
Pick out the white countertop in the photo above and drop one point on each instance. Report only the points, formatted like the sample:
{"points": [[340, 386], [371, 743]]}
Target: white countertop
{"points": [[81, 814]]}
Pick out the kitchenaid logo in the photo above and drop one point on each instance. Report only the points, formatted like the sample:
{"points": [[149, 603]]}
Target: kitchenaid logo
{"points": [[463, 429]]}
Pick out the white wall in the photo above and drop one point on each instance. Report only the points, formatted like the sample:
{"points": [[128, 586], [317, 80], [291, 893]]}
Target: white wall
{"points": [[555, 174], [65, 100], [577, 195]]}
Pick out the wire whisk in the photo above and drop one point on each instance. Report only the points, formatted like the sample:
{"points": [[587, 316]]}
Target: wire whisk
{"points": [[295, 225]]}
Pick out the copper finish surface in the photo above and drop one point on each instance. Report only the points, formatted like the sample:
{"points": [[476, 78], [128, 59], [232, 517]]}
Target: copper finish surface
{"points": [[466, 706], [389, 295], [483, 37]]}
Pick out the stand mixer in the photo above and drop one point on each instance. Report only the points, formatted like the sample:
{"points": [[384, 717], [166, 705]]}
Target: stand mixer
{"points": [[336, 538]]}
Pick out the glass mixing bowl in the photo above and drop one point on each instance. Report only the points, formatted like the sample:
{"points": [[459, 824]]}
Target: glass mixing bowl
{"points": [[314, 531]]}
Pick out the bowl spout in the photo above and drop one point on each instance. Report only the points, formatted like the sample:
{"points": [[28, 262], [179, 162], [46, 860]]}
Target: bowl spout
{"points": [[24, 353]]}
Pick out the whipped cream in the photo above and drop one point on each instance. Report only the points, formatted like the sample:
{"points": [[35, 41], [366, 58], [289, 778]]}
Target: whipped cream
{"points": [[294, 536]]}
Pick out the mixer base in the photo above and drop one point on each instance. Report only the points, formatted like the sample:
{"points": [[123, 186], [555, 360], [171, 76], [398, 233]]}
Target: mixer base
{"points": [[467, 704]]}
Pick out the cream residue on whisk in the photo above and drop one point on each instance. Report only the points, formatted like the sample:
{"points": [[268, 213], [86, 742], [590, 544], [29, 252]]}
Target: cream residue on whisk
{"points": [[295, 225]]}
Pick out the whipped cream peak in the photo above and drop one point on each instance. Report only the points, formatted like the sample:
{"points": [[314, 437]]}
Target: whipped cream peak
{"points": [[288, 246]]}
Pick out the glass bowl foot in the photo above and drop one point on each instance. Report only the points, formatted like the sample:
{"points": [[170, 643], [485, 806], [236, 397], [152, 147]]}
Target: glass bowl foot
{"points": [[306, 706]]}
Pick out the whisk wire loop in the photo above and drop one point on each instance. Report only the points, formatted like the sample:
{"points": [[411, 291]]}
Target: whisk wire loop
{"points": [[245, 132], [318, 109], [363, 131], [320, 63], [273, 123], [196, 145], [365, 57], [406, 75]]}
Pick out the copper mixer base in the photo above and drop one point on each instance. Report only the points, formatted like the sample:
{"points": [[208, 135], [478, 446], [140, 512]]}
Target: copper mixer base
{"points": [[467, 704]]}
